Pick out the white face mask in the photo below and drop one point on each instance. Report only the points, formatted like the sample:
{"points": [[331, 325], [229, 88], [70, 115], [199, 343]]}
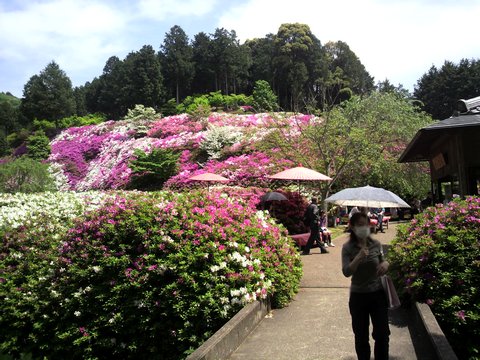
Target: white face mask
{"points": [[362, 231]]}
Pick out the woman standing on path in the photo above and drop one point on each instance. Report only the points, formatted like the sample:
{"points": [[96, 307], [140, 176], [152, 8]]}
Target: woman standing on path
{"points": [[362, 259]]}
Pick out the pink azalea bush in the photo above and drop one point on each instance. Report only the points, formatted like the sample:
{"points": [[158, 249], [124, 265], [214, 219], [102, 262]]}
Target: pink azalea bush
{"points": [[243, 170], [98, 156], [149, 275], [436, 259]]}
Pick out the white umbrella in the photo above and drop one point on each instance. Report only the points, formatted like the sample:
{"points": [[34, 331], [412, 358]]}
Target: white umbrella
{"points": [[367, 196]]}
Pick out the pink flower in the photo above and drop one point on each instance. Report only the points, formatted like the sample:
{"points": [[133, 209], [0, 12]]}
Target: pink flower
{"points": [[461, 315]]}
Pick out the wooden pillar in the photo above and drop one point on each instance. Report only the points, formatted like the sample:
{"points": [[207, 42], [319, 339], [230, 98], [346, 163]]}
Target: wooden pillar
{"points": [[461, 171]]}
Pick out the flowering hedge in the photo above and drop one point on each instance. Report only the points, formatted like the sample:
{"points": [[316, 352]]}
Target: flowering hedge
{"points": [[243, 170], [98, 156], [437, 259], [145, 275]]}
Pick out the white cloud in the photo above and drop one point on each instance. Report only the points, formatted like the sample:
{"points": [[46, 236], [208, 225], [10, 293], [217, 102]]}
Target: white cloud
{"points": [[394, 39], [163, 9], [398, 40], [77, 35]]}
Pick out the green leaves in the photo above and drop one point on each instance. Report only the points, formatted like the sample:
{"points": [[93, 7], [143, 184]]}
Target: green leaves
{"points": [[151, 170], [145, 274], [25, 174], [48, 95], [435, 259]]}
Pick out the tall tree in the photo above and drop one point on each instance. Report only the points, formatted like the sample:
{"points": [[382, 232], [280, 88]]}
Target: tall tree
{"points": [[79, 94], [48, 95], [230, 60], [177, 65], [386, 86], [340, 55], [440, 89], [297, 66], [109, 89], [142, 80], [204, 79], [359, 142], [8, 117], [262, 52]]}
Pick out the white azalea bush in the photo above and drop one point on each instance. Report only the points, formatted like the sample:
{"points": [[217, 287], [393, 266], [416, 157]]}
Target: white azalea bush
{"points": [[218, 137], [60, 207], [143, 276]]}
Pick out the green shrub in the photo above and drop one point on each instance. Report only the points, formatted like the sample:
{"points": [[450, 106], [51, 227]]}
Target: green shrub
{"points": [[32, 227], [77, 121], [150, 171], [17, 138], [436, 259], [25, 175], [264, 99], [4, 148], [170, 108], [199, 109], [38, 145], [145, 276], [48, 127], [216, 99]]}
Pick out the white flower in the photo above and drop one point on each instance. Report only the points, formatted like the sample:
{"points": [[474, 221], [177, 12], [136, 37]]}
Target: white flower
{"points": [[96, 268], [77, 313]]}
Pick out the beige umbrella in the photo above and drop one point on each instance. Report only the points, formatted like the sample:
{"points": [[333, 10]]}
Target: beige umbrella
{"points": [[300, 173], [208, 177]]}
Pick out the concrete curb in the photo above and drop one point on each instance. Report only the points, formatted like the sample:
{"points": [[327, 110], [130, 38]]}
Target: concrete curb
{"points": [[226, 340], [426, 321]]}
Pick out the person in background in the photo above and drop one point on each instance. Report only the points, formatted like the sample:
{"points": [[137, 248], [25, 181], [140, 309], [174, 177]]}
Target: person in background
{"points": [[353, 211], [379, 213], [325, 233], [362, 259], [427, 202], [312, 219]]}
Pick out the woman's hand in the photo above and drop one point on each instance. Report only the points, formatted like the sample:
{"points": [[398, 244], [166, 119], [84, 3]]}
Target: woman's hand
{"points": [[382, 268], [362, 254]]}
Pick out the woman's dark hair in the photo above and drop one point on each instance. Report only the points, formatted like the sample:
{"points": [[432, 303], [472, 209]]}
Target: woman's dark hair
{"points": [[356, 217]]}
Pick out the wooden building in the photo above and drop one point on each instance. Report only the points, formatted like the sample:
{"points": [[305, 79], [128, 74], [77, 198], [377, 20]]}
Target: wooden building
{"points": [[452, 147]]}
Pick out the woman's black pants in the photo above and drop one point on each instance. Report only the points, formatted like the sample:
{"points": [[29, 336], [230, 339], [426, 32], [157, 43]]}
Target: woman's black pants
{"points": [[363, 307]]}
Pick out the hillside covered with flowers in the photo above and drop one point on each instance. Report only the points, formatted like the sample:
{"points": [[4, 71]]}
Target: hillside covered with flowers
{"points": [[235, 146]]}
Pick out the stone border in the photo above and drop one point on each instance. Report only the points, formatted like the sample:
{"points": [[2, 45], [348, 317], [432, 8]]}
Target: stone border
{"points": [[429, 325], [226, 340]]}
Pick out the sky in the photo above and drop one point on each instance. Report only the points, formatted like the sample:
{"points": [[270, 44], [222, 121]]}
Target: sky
{"points": [[398, 40]]}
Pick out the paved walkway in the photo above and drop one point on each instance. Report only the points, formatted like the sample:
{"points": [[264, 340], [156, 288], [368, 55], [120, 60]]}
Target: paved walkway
{"points": [[316, 325]]}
